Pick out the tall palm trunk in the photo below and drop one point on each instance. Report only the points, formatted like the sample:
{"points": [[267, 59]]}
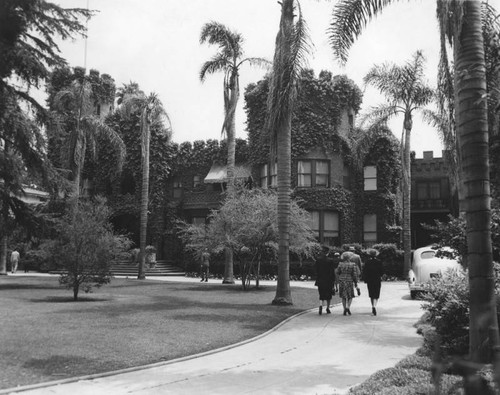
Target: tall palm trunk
{"points": [[283, 142], [407, 194], [144, 198], [283, 293], [79, 149], [472, 128], [231, 154]]}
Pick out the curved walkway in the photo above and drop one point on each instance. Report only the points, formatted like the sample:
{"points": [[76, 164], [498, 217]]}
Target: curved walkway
{"points": [[308, 354]]}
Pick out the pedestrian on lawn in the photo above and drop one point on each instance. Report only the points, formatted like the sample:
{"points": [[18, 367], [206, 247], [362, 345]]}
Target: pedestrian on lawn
{"points": [[205, 265], [14, 260], [325, 279], [372, 276], [347, 278]]}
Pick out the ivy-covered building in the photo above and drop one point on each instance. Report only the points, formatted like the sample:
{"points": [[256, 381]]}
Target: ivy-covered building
{"points": [[346, 178]]}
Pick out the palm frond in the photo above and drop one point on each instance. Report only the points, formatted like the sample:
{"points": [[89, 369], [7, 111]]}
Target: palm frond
{"points": [[449, 14], [219, 62], [257, 62], [403, 85], [130, 89], [76, 98], [216, 33], [379, 115], [349, 18]]}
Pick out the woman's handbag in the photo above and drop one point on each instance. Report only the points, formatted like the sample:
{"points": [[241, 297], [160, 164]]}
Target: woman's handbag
{"points": [[358, 291]]}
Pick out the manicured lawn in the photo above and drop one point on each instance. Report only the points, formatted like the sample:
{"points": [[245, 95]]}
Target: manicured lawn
{"points": [[47, 336]]}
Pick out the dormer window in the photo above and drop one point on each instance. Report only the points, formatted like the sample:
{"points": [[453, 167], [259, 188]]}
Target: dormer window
{"points": [[313, 173]]}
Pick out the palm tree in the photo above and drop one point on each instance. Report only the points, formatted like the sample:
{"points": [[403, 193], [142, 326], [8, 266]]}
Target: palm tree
{"points": [[460, 24], [151, 113], [405, 92], [77, 103], [291, 48], [227, 60]]}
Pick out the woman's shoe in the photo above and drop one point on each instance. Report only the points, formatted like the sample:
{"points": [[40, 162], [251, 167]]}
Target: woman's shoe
{"points": [[320, 310], [328, 310], [374, 311], [349, 311], [345, 311]]}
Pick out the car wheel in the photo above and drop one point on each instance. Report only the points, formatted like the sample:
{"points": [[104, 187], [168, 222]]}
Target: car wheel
{"points": [[413, 294]]}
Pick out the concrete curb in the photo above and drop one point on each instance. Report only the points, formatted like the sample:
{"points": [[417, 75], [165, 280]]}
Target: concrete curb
{"points": [[152, 365]]}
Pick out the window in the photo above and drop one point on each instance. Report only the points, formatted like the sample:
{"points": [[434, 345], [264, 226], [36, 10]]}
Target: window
{"points": [[370, 229], [304, 172], [370, 176], [313, 173], [330, 228], [196, 181], [428, 190], [325, 225], [269, 175], [177, 186], [274, 175], [263, 176], [322, 173], [346, 176]]}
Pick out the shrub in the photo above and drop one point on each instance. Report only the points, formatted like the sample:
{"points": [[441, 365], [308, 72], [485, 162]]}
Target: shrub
{"points": [[448, 305], [87, 246], [392, 259], [41, 258], [394, 380], [401, 380], [415, 361], [430, 336]]}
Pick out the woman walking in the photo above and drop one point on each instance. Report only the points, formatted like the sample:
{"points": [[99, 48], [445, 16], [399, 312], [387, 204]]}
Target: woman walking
{"points": [[372, 275], [347, 277], [325, 279]]}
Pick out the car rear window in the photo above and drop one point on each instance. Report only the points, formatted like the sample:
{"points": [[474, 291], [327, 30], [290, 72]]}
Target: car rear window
{"points": [[427, 254]]}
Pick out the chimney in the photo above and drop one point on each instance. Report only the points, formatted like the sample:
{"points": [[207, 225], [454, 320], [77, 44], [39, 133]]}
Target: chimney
{"points": [[428, 154]]}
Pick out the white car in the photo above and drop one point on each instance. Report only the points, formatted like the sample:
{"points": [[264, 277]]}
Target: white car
{"points": [[426, 265]]}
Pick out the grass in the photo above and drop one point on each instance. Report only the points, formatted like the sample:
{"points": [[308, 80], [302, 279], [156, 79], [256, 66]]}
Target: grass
{"points": [[47, 336]]}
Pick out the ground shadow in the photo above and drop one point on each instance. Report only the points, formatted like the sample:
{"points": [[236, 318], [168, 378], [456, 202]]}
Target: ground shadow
{"points": [[68, 299], [20, 286]]}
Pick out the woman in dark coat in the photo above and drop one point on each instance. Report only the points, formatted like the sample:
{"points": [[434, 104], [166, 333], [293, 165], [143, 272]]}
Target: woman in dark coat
{"points": [[325, 279], [372, 275]]}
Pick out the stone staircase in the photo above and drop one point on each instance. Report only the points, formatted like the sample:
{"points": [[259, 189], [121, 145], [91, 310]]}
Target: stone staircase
{"points": [[130, 269]]}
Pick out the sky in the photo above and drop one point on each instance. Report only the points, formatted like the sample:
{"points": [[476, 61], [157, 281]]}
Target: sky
{"points": [[156, 44]]}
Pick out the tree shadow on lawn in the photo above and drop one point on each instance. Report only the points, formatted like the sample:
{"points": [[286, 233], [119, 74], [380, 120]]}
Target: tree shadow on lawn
{"points": [[228, 288], [69, 299], [61, 365], [21, 286]]}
